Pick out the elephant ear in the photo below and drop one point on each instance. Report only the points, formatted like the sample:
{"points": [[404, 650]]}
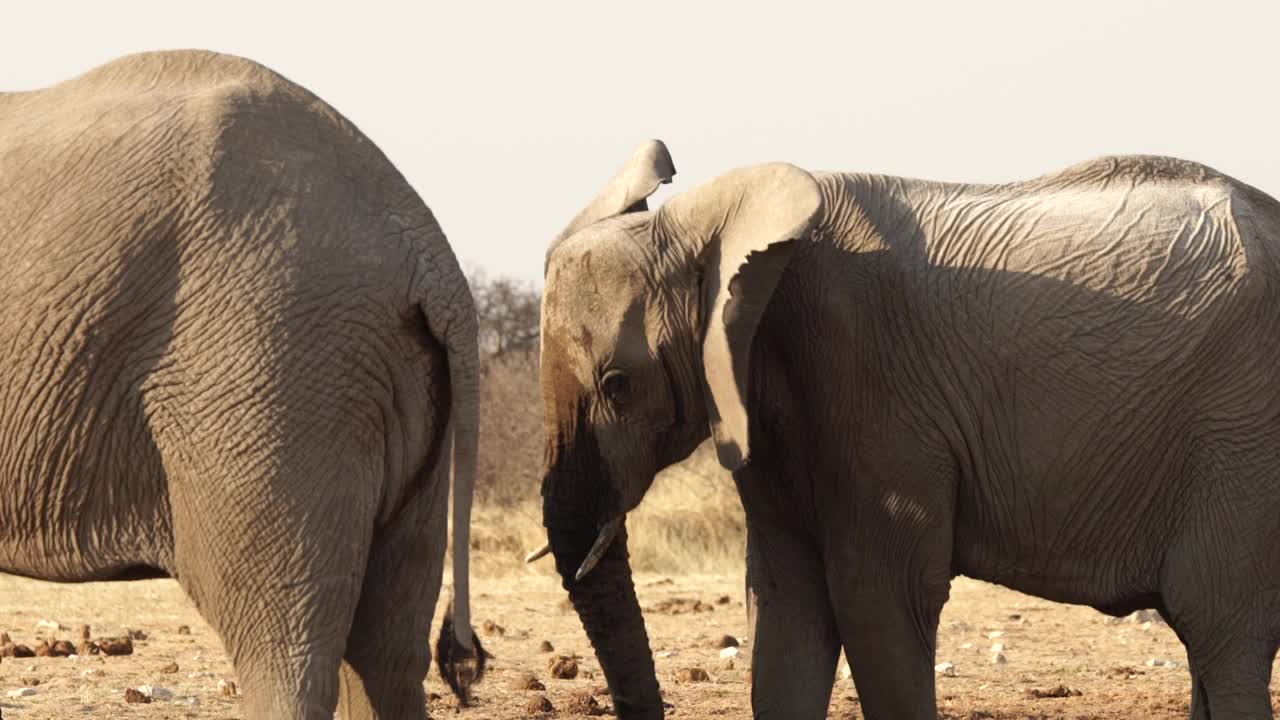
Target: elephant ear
{"points": [[649, 168], [746, 222]]}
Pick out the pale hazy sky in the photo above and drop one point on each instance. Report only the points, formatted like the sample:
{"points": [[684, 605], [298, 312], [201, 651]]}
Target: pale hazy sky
{"points": [[508, 116]]}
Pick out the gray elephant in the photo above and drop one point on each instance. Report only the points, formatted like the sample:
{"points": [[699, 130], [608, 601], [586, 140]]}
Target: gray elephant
{"points": [[1067, 386], [236, 349]]}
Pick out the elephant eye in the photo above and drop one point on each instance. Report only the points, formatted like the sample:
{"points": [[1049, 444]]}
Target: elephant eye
{"points": [[616, 387]]}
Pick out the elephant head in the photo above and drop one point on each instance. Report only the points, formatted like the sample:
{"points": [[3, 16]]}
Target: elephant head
{"points": [[647, 323]]}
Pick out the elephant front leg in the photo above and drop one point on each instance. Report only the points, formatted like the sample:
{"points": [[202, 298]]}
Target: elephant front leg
{"points": [[795, 644], [889, 581]]}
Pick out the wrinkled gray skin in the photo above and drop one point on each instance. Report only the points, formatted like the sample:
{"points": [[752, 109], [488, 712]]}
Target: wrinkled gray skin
{"points": [[1067, 386], [235, 348]]}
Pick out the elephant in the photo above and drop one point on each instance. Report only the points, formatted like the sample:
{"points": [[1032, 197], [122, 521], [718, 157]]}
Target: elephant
{"points": [[236, 349], [1064, 385]]}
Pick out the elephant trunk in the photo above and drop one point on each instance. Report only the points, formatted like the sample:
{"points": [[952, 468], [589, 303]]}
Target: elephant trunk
{"points": [[605, 600]]}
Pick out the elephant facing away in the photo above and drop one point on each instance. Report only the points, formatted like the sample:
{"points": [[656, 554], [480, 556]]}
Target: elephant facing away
{"points": [[236, 349], [1067, 386]]}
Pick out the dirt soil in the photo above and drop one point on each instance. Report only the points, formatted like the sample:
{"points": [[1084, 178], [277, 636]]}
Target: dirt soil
{"points": [[1060, 661]]}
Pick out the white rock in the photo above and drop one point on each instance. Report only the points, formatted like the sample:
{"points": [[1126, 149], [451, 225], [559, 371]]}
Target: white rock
{"points": [[967, 646], [728, 652], [846, 672], [1146, 626], [945, 668], [997, 647], [998, 658], [995, 634], [666, 653], [22, 692], [155, 692], [48, 625], [1157, 662]]}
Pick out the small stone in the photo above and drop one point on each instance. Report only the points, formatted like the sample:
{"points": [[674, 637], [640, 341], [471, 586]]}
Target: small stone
{"points": [[1015, 617], [492, 628], [945, 668], [134, 696], [666, 653], [967, 646], [726, 641], [227, 688], [526, 681], [170, 669], [728, 652], [546, 646], [1157, 662], [692, 675], [184, 629], [722, 600], [537, 705], [48, 625], [1146, 626], [998, 659], [21, 692], [997, 647], [563, 667], [30, 681], [995, 634]]}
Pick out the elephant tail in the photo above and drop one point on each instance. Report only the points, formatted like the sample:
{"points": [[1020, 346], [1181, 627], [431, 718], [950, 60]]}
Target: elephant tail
{"points": [[451, 317]]}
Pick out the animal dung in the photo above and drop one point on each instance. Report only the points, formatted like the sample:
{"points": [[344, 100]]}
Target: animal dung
{"points": [[581, 702], [116, 646], [726, 641], [538, 704], [692, 675], [563, 667], [526, 681], [135, 696]]}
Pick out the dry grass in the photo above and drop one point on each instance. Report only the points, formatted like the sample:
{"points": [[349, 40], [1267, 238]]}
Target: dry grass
{"points": [[690, 522]]}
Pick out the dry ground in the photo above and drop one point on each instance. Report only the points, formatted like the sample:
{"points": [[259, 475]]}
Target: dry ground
{"points": [[1047, 646]]}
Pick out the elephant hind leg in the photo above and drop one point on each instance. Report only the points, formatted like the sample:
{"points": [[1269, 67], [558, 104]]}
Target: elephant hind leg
{"points": [[388, 651], [273, 559], [1225, 614]]}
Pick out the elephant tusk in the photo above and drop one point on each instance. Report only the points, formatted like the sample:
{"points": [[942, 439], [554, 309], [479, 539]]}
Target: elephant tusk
{"points": [[601, 546], [539, 553]]}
